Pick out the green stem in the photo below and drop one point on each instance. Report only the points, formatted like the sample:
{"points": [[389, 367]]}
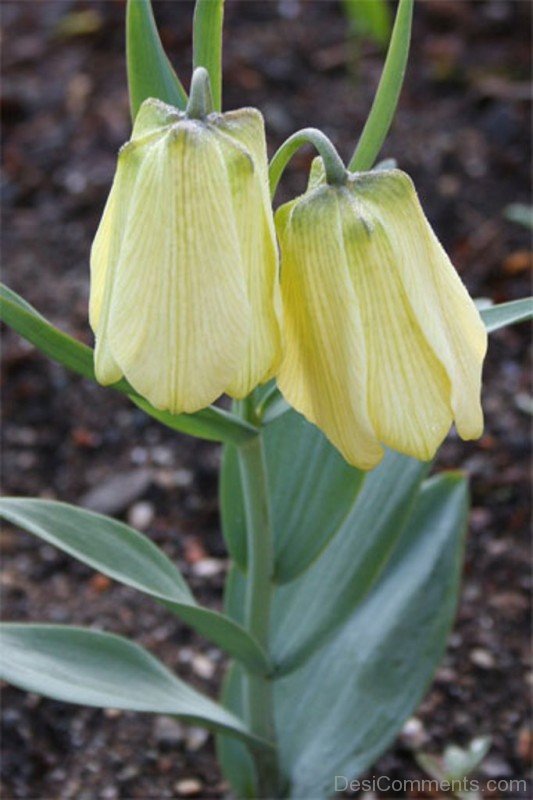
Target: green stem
{"points": [[200, 98], [259, 690], [388, 92], [207, 43], [335, 169]]}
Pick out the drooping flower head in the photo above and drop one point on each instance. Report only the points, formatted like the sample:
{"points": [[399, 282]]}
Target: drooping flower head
{"points": [[184, 266], [384, 346]]}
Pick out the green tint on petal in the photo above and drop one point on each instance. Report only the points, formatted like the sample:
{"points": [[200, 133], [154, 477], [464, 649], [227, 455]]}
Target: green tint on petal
{"points": [[440, 303], [408, 390], [323, 373]]}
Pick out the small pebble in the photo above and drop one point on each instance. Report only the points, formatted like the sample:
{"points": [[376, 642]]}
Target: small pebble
{"points": [[112, 713], [413, 733], [482, 658], [195, 738], [203, 667], [208, 567], [141, 515], [168, 731], [188, 787]]}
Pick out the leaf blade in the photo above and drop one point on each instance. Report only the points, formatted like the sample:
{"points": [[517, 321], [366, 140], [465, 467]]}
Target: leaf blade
{"points": [[376, 669], [388, 92], [311, 490], [496, 317], [150, 73], [88, 667], [126, 555], [309, 610]]}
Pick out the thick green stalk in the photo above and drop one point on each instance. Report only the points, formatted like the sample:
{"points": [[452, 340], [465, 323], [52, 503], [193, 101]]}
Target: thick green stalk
{"points": [[259, 690], [207, 43], [388, 92]]}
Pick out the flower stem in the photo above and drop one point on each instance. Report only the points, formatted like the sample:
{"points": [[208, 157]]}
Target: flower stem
{"points": [[335, 170], [259, 690], [200, 98]]}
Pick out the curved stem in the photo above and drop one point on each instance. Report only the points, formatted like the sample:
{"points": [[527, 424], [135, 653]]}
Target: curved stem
{"points": [[259, 690], [200, 98], [388, 92], [335, 169], [207, 43]]}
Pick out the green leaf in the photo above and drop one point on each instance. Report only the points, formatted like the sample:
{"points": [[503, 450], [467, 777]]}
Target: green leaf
{"points": [[309, 610], [388, 92], [127, 556], [207, 43], [55, 344], [311, 490], [150, 73], [369, 18], [92, 668], [496, 317], [211, 423], [234, 758], [339, 712]]}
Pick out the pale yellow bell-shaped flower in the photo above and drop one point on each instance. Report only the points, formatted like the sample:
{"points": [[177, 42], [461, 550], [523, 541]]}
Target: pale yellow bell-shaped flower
{"points": [[184, 266], [383, 344]]}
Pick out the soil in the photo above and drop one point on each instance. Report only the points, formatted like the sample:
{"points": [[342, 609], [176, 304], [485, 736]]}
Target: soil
{"points": [[463, 133]]}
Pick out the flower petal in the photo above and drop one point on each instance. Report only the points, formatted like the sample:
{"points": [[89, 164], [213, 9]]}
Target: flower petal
{"points": [[180, 318], [408, 389], [105, 253], [255, 228], [441, 305], [324, 370]]}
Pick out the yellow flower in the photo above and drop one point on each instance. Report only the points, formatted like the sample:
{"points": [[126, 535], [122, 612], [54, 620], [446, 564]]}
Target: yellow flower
{"points": [[184, 266], [383, 344]]}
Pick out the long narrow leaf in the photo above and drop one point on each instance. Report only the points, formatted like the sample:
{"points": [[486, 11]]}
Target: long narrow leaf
{"points": [[93, 668], [207, 43], [150, 73], [388, 92], [338, 713], [211, 423], [497, 317], [309, 610], [130, 557]]}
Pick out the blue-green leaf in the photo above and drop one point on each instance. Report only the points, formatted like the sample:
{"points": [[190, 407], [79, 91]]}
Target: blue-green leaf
{"points": [[150, 73], [499, 316], [130, 557], [343, 708], [311, 490], [309, 610], [388, 92], [93, 668]]}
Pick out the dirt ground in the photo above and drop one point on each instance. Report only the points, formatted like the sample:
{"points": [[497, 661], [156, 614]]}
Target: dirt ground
{"points": [[463, 133]]}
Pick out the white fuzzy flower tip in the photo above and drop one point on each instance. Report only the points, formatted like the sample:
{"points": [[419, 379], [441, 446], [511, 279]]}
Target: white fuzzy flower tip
{"points": [[184, 265], [383, 344]]}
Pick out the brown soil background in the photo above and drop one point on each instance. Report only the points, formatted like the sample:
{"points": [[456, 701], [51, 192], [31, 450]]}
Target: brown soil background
{"points": [[463, 133]]}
